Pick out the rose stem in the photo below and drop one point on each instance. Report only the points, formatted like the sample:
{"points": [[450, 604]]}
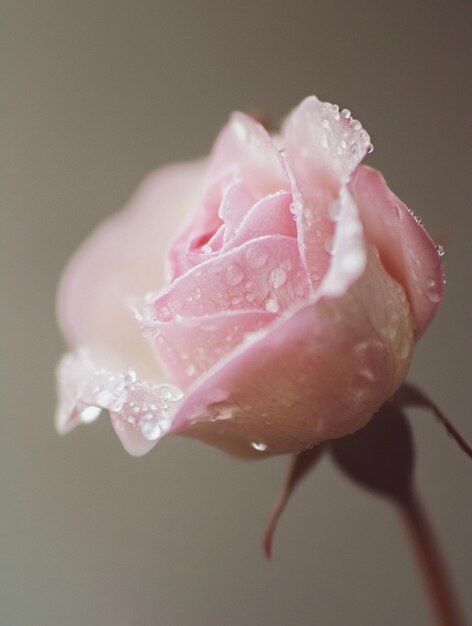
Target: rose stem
{"points": [[430, 561]]}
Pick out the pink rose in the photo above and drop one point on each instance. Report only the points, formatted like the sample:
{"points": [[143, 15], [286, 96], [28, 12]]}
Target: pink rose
{"points": [[263, 300]]}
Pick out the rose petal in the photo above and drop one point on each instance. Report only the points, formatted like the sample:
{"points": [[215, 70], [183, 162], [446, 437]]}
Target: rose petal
{"points": [[322, 149], [141, 412], [235, 204], [197, 231], [269, 216], [406, 250], [194, 245], [328, 365], [124, 257], [245, 149], [264, 274], [189, 347]]}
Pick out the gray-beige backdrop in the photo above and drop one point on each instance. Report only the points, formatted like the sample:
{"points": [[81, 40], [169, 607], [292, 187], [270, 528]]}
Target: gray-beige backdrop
{"points": [[94, 94]]}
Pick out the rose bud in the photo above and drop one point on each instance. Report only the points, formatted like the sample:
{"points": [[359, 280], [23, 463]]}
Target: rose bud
{"points": [[263, 300]]}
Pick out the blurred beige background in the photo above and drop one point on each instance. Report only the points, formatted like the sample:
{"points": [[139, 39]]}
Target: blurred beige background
{"points": [[94, 94]]}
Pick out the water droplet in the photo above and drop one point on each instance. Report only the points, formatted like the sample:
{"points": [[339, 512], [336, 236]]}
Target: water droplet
{"points": [[355, 125], [335, 111], [197, 294], [346, 113], [432, 291], [168, 392], [105, 398], [271, 304], [256, 256], [150, 430], [440, 250], [234, 274], [89, 414], [277, 277], [130, 376], [235, 300], [259, 446]]}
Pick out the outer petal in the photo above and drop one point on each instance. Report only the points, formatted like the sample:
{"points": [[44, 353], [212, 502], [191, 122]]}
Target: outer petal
{"points": [[407, 251], [323, 147], [246, 150], [188, 347], [141, 411], [318, 373], [124, 257]]}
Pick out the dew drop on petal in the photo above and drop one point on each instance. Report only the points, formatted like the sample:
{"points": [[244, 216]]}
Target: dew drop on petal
{"points": [[259, 446], [256, 256], [235, 300], [277, 277], [106, 398], [432, 292], [150, 430], [89, 414], [271, 304], [234, 274]]}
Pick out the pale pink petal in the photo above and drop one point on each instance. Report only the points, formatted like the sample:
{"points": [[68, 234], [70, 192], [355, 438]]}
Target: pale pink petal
{"points": [[264, 274], [202, 239], [245, 150], [235, 204], [188, 347], [124, 257], [141, 411], [269, 216], [322, 148], [200, 227], [406, 250], [318, 373]]}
